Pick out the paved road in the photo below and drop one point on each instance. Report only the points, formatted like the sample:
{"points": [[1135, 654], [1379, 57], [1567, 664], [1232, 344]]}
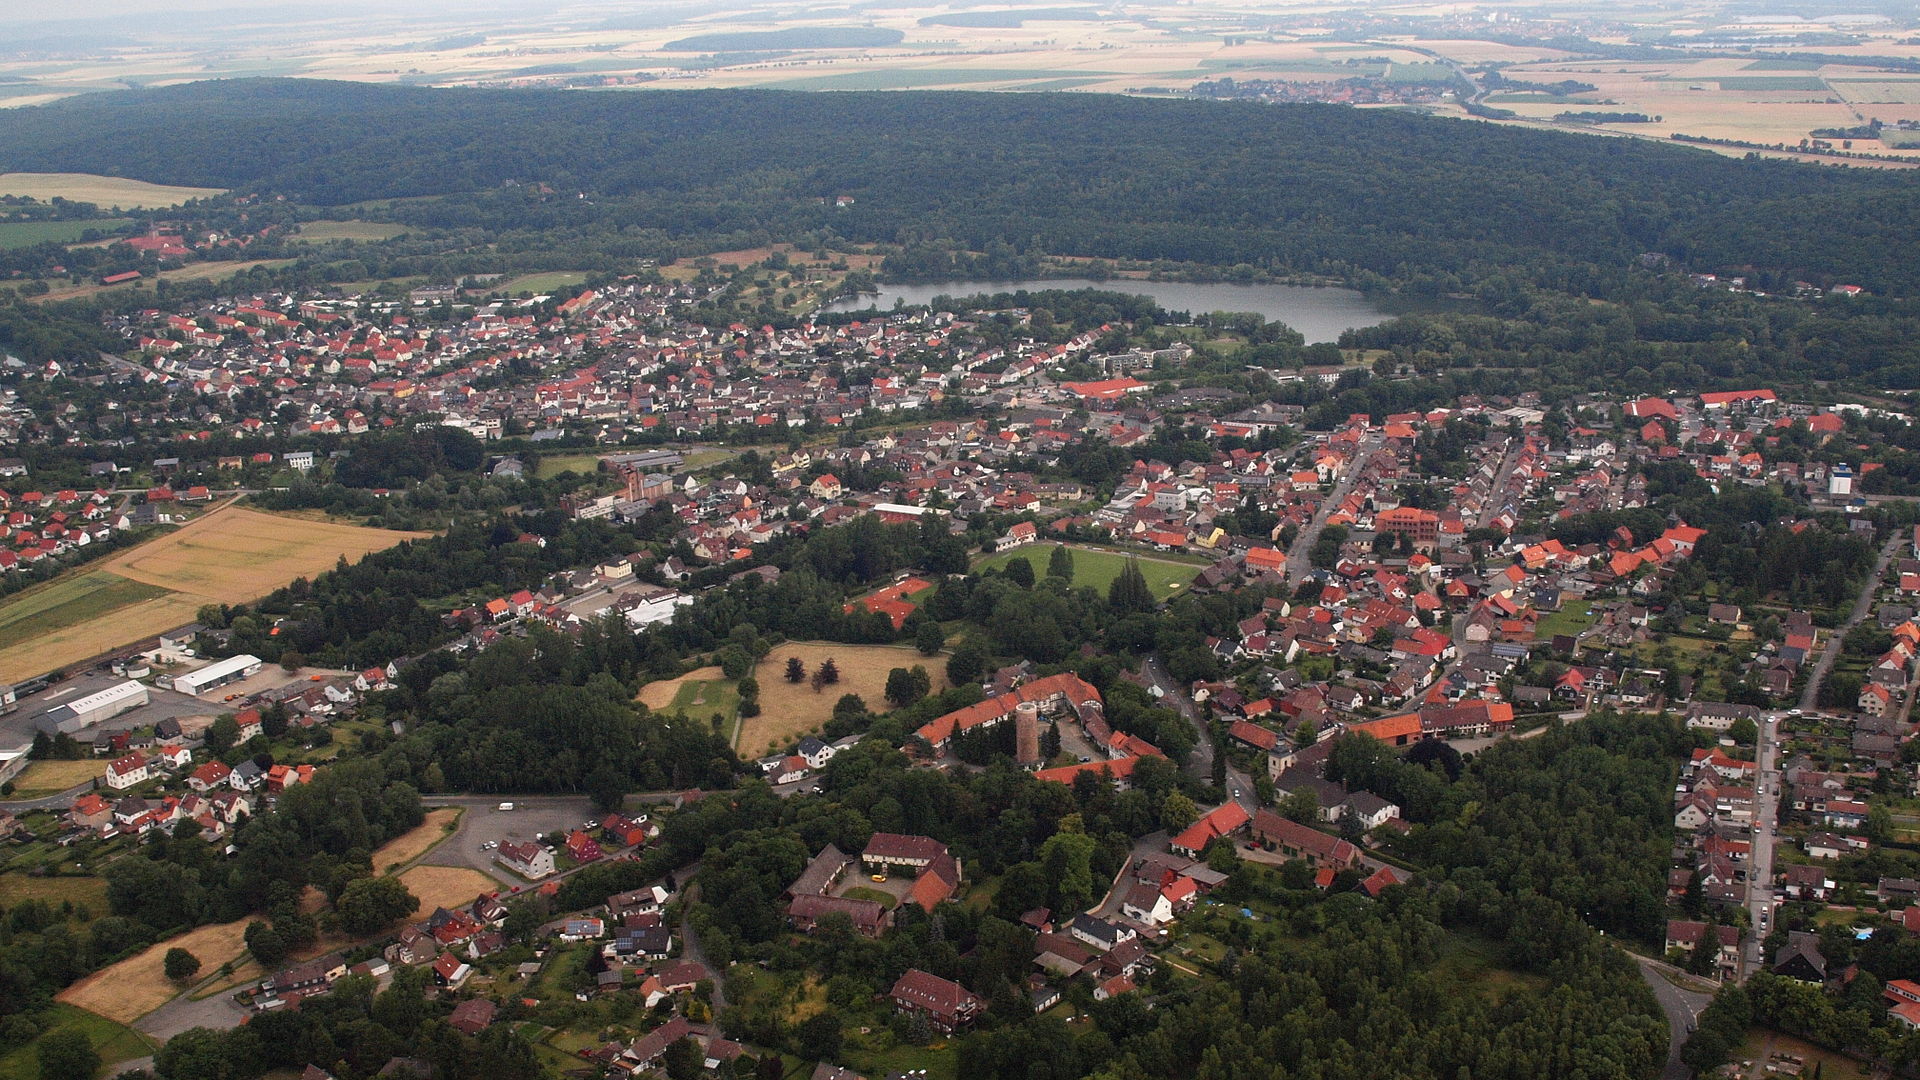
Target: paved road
{"points": [[1681, 1008], [1297, 562], [61, 801], [218, 1012], [1765, 816], [1200, 762], [1861, 605], [1496, 495]]}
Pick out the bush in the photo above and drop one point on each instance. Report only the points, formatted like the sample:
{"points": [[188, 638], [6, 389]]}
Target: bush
{"points": [[181, 964]]}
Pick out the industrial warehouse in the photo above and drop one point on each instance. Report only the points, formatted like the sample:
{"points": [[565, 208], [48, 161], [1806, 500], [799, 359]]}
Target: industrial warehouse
{"points": [[217, 674], [87, 711]]}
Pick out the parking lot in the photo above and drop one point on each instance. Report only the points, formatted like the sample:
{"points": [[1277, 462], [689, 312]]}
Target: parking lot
{"points": [[529, 819], [16, 728]]}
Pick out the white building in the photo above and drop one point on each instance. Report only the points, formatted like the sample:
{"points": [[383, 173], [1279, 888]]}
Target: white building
{"points": [[218, 673], [85, 711]]}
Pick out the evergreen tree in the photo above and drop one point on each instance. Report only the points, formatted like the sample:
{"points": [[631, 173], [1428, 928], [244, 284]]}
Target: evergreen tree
{"points": [[1060, 563], [1129, 592], [1020, 572], [796, 669]]}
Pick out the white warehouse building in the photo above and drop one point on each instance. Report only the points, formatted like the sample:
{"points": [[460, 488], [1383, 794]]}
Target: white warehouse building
{"points": [[86, 711], [218, 673]]}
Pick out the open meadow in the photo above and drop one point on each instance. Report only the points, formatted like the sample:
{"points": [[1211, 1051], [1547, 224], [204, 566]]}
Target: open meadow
{"points": [[104, 191], [790, 710], [50, 778], [114, 1043], [230, 555], [19, 234], [134, 987], [321, 232], [1095, 568]]}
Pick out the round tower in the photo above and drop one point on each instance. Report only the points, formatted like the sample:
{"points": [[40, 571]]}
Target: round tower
{"points": [[1026, 733]]}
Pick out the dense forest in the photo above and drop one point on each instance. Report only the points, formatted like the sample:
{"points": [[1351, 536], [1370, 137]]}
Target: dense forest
{"points": [[1313, 188]]}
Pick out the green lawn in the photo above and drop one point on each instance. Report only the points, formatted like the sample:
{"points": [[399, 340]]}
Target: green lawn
{"points": [[701, 699], [68, 601], [320, 232], [861, 892], [114, 1042], [542, 283], [19, 234], [87, 892], [1097, 568], [553, 465], [1572, 619]]}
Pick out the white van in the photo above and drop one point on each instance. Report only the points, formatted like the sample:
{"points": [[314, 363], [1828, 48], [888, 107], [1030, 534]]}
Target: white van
{"points": [[504, 806]]}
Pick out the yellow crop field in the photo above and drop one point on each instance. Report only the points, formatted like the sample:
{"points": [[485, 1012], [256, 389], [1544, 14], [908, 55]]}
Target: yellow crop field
{"points": [[234, 555], [228, 556], [100, 190]]}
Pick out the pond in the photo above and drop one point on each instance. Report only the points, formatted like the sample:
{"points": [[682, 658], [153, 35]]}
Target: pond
{"points": [[1320, 314]]}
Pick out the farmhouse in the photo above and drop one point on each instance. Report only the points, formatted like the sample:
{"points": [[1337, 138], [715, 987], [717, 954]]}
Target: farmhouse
{"points": [[1296, 841]]}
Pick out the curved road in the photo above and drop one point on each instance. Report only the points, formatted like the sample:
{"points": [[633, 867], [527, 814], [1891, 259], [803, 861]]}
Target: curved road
{"points": [[1681, 1008]]}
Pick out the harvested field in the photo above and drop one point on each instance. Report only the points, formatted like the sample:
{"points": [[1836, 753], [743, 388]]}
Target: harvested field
{"points": [[228, 556], [137, 985], [234, 555], [52, 777], [417, 841], [789, 710], [446, 886], [93, 626], [100, 190]]}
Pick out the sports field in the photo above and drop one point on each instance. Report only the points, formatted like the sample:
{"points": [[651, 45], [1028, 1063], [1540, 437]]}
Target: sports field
{"points": [[229, 556], [1096, 567], [99, 190]]}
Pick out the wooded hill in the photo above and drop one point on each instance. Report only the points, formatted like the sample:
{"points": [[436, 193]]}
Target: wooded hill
{"points": [[1308, 188]]}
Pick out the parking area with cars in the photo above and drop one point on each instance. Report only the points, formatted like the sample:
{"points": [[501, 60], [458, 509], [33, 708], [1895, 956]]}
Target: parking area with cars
{"points": [[484, 826]]}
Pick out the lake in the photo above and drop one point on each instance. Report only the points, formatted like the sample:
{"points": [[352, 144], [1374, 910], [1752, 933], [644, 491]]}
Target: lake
{"points": [[1319, 314]]}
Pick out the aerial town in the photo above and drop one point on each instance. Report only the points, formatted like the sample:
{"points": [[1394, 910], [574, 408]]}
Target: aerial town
{"points": [[1368, 591]]}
